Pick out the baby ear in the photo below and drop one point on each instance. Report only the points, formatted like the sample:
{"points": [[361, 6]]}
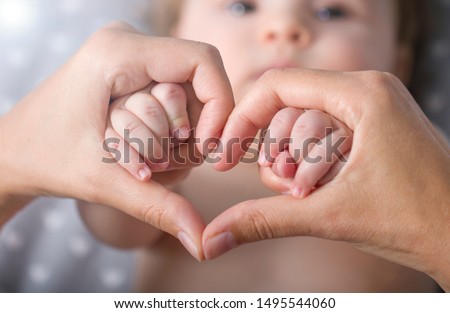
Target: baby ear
{"points": [[405, 63]]}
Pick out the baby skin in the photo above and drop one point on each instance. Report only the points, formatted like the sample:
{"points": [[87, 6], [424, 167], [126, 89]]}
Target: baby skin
{"points": [[161, 112], [254, 37]]}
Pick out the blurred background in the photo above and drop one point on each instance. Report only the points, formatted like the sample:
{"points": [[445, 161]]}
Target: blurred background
{"points": [[46, 248]]}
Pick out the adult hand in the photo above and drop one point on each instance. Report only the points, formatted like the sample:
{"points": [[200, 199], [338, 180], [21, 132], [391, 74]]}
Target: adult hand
{"points": [[392, 197], [52, 141]]}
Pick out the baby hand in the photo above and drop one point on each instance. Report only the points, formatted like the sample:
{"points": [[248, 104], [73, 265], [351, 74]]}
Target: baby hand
{"points": [[302, 150], [146, 127]]}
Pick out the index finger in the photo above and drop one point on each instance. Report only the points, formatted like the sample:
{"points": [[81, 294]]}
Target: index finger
{"points": [[277, 89]]}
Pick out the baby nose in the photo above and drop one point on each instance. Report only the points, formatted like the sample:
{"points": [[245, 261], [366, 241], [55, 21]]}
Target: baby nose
{"points": [[285, 32]]}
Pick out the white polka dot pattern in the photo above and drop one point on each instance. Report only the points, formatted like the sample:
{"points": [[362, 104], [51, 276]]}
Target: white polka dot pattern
{"points": [[79, 246], [53, 220], [112, 278], [39, 273], [13, 240]]}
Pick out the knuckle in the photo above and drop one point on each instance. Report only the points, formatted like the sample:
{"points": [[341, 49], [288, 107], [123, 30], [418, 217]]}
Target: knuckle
{"points": [[169, 92], [154, 215], [310, 132], [262, 229], [303, 126], [338, 226], [272, 79], [377, 89], [270, 76], [279, 120], [144, 104], [157, 213], [117, 79], [117, 25], [132, 125], [210, 51], [112, 41], [109, 33], [378, 81], [154, 112]]}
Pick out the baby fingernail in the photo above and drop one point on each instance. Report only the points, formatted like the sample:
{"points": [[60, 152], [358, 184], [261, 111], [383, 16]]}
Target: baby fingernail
{"points": [[161, 166], [219, 245], [297, 191], [262, 161], [188, 244], [145, 173], [182, 133]]}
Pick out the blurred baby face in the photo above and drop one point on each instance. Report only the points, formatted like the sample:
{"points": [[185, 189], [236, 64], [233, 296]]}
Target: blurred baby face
{"points": [[256, 35]]}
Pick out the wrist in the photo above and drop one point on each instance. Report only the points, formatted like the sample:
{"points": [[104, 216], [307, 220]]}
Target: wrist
{"points": [[439, 242], [440, 263], [440, 270], [12, 198]]}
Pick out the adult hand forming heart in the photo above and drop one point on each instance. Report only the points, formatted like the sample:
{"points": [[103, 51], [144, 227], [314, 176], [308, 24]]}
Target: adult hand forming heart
{"points": [[53, 139], [392, 197], [64, 122]]}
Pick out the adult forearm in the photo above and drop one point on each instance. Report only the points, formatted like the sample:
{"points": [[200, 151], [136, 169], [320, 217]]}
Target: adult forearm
{"points": [[10, 199], [440, 269]]}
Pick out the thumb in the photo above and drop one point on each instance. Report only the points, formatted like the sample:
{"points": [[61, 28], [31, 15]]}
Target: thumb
{"points": [[321, 214], [152, 203]]}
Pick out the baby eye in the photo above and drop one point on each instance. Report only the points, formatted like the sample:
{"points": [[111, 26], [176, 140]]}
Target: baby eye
{"points": [[331, 13], [240, 8]]}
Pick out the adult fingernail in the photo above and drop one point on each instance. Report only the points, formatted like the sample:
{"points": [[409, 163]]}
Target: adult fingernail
{"points": [[188, 244], [220, 244], [145, 173]]}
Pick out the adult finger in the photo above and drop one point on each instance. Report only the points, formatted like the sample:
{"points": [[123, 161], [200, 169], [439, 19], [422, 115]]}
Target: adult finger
{"points": [[149, 202], [298, 88], [275, 217]]}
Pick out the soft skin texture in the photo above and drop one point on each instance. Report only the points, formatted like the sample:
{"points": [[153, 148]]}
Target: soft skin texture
{"points": [[255, 36], [290, 34], [394, 205], [52, 140], [278, 34], [263, 35]]}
